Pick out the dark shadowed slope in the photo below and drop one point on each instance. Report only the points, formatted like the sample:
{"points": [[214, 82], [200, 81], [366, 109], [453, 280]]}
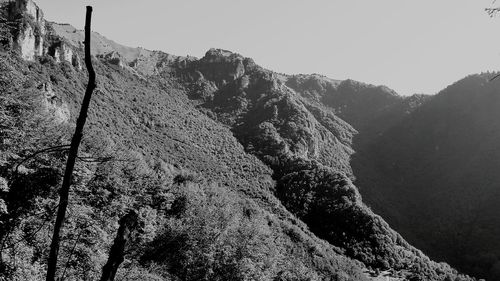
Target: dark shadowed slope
{"points": [[369, 109], [438, 173]]}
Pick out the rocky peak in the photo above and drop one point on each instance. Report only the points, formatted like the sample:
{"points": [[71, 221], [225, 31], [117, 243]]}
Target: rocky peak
{"points": [[220, 55], [61, 51], [222, 66]]}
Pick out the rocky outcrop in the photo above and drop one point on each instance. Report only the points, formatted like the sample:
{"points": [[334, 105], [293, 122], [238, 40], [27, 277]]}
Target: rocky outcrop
{"points": [[155, 62], [30, 8], [63, 52], [222, 66], [25, 42], [113, 58], [54, 105], [33, 37], [29, 38]]}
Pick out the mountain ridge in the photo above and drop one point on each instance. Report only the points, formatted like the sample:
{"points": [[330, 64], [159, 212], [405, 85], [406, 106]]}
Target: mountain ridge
{"points": [[450, 168]]}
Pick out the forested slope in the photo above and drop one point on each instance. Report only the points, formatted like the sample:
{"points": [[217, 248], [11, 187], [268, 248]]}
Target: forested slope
{"points": [[233, 174], [438, 172]]}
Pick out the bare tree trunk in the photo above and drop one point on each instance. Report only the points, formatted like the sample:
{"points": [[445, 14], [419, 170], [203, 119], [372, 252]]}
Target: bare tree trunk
{"points": [[73, 153], [128, 226]]}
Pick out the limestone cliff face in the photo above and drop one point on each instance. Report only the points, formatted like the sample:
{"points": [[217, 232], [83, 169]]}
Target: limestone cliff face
{"points": [[26, 43], [29, 39], [61, 51], [33, 36]]}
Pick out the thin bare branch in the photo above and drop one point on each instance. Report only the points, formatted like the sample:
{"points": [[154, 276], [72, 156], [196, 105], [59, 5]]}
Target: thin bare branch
{"points": [[46, 150], [494, 77]]}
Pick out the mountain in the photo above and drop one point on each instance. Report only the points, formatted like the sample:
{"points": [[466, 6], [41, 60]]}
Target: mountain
{"points": [[426, 163], [235, 172], [437, 170], [370, 109]]}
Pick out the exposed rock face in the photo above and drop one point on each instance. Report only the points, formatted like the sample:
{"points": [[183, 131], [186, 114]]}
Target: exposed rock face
{"points": [[31, 9], [25, 42], [34, 37], [113, 58], [61, 51], [54, 105], [66, 53], [30, 37], [153, 62], [223, 66]]}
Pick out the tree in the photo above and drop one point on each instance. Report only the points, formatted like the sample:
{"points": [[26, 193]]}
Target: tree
{"points": [[492, 11], [126, 232], [73, 154]]}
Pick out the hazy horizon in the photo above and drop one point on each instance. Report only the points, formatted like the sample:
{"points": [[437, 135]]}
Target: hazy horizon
{"points": [[411, 47]]}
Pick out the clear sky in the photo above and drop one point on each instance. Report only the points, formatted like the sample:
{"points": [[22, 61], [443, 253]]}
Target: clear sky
{"points": [[417, 46]]}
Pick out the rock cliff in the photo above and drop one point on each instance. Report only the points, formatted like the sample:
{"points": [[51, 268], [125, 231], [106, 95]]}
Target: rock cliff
{"points": [[34, 37], [29, 38]]}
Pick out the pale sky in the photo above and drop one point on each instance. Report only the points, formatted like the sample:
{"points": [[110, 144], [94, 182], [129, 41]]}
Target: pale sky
{"points": [[417, 46]]}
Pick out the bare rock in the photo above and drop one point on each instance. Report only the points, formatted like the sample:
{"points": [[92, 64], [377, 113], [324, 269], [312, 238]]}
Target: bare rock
{"points": [[54, 105], [30, 37], [113, 57]]}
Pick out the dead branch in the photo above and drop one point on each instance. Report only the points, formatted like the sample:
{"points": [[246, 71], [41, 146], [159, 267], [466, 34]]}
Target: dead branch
{"points": [[73, 154]]}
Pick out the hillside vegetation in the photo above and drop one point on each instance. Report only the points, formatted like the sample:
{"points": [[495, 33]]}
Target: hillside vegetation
{"points": [[203, 197], [444, 156], [234, 174]]}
